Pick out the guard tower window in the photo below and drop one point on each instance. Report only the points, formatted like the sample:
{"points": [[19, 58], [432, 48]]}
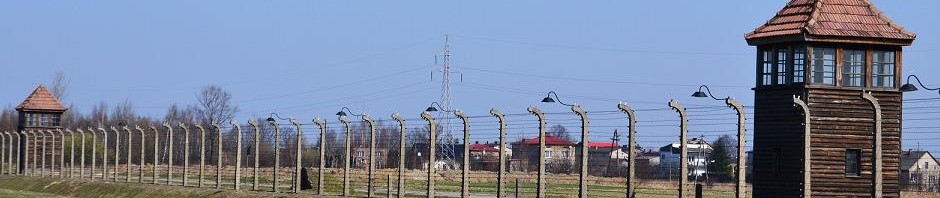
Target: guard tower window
{"points": [[883, 69], [767, 67], [799, 64], [853, 68], [824, 66], [782, 59], [852, 162]]}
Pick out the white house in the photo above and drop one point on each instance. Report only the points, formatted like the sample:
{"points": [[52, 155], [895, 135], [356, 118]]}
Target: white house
{"points": [[920, 171], [697, 149]]}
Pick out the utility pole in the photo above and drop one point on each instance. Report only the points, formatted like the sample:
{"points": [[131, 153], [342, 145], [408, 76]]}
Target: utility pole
{"points": [[447, 136]]}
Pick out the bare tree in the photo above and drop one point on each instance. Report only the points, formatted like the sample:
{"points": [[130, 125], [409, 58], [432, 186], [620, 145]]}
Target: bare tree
{"points": [[215, 105], [59, 85]]}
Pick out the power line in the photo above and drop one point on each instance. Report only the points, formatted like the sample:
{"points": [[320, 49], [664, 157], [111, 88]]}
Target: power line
{"points": [[598, 48]]}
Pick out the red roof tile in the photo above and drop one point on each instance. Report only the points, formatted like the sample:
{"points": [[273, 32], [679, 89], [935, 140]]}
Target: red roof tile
{"points": [[41, 99], [483, 147], [549, 141], [811, 19], [603, 144]]}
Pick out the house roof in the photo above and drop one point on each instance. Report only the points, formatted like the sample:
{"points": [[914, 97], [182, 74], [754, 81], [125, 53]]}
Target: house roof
{"points": [[41, 99], [909, 158], [603, 145], [830, 20], [549, 141], [483, 147]]}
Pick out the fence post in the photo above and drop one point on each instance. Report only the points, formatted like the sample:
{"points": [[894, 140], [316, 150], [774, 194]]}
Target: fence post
{"points": [[130, 161], [81, 168], [807, 146], [218, 155], [322, 124], [104, 157], [61, 153], [342, 119], [94, 151], [238, 153], [401, 153], [185, 153], [3, 159], [254, 126], [518, 187], [7, 168], [465, 174], [42, 170], [388, 186], [298, 155], [277, 151], [371, 179], [877, 172], [740, 184], [25, 155], [71, 153], [19, 143], [156, 145], [169, 159], [432, 151], [10, 169], [540, 191], [117, 152], [36, 152], [631, 157], [140, 166], [500, 180], [684, 155], [202, 154], [582, 181]]}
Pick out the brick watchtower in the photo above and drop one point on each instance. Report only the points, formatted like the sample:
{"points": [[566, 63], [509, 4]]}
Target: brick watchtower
{"points": [[41, 111]]}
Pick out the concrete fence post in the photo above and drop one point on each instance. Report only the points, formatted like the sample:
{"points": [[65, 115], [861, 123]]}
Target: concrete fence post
{"points": [[683, 147], [540, 191], [807, 146], [185, 153], [238, 153], [345, 122], [582, 180], [81, 168], [169, 155], [19, 155], [298, 155], [43, 167], [3, 158], [631, 156], [432, 151], [156, 158], [141, 162], [130, 155], [501, 178], [10, 169], [218, 155], [739, 185], [71, 153], [104, 157], [61, 153], [401, 153], [877, 161], [202, 155], [257, 130], [36, 152], [117, 153], [25, 155], [371, 179], [94, 151], [322, 124], [277, 153], [465, 173]]}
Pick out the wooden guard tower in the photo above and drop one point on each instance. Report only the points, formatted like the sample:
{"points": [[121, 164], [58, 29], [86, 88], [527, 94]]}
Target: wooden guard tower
{"points": [[827, 53], [41, 111]]}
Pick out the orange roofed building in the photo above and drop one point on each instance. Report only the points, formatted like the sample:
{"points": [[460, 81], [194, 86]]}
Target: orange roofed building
{"points": [[40, 112]]}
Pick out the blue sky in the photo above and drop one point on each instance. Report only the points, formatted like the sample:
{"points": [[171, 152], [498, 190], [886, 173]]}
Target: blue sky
{"points": [[309, 58]]}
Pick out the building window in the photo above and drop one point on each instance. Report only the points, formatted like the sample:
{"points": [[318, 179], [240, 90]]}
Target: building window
{"points": [[853, 162], [767, 67], [783, 56], [360, 154], [799, 64], [824, 66], [548, 153], [853, 68], [566, 153], [883, 69]]}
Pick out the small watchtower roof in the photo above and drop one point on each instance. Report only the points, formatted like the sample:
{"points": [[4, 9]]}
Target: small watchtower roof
{"points": [[41, 100], [846, 21]]}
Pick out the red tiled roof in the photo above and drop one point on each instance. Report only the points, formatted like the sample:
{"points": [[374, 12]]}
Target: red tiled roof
{"points": [[603, 144], [549, 141], [831, 18], [41, 99], [483, 147]]}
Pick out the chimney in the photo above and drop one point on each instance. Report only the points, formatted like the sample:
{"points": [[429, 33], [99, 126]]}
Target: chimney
{"points": [[476, 142]]}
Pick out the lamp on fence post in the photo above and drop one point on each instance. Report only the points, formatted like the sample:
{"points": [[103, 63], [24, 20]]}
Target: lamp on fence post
{"points": [[631, 156], [218, 155], [401, 153], [908, 87], [683, 146], [540, 191], [277, 150], [432, 151], [465, 173], [739, 109], [342, 118], [238, 153], [582, 180], [322, 124]]}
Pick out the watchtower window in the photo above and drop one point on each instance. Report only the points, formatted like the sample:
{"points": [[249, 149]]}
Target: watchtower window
{"points": [[824, 66], [767, 67], [883, 67], [799, 64], [853, 68], [781, 67], [853, 162]]}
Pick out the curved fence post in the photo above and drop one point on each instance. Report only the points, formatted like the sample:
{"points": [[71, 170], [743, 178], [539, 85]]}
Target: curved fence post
{"points": [[877, 162], [3, 155], [185, 153], [683, 146], [218, 155], [94, 150], [322, 124], [130, 154], [117, 152], [540, 192], [202, 154], [19, 155], [277, 152], [432, 151], [169, 155], [371, 179], [807, 146], [739, 184], [71, 153], [297, 155], [401, 153], [238, 153], [36, 152], [81, 168], [257, 129], [500, 180], [156, 158], [45, 139], [582, 181], [61, 153], [631, 163], [465, 173], [140, 166], [104, 157], [345, 122]]}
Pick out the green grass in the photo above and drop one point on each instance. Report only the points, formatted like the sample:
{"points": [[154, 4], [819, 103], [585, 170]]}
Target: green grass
{"points": [[5, 193]]}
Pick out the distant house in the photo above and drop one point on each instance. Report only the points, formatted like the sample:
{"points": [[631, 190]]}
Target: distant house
{"points": [[484, 156], [647, 164], [606, 158], [698, 150], [360, 157], [920, 171], [559, 153], [420, 150]]}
